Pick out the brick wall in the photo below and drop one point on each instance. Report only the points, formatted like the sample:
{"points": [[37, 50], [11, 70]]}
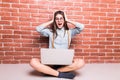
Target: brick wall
{"points": [[98, 43]]}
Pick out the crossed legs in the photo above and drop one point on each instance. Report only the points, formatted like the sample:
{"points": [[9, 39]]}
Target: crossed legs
{"points": [[35, 63]]}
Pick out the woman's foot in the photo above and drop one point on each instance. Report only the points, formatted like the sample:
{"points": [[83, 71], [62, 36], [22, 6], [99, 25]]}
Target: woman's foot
{"points": [[69, 75]]}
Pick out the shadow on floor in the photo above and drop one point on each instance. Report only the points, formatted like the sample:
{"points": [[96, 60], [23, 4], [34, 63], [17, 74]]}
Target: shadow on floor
{"points": [[35, 73]]}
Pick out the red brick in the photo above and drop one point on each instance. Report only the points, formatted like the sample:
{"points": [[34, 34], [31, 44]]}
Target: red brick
{"points": [[6, 40], [113, 39], [24, 23], [22, 57], [90, 9], [107, 18], [97, 54], [9, 18], [97, 46], [74, 8], [22, 32], [11, 36], [117, 43], [100, 5], [96, 61], [91, 50], [98, 22], [23, 49], [91, 35], [20, 6], [4, 22], [23, 41], [28, 19], [10, 62], [11, 1], [14, 53], [5, 31], [98, 14], [117, 19], [99, 31], [21, 14], [113, 14], [113, 54], [90, 43], [106, 43], [11, 45], [98, 39], [107, 1], [6, 57], [80, 47], [117, 50], [4, 5], [107, 10], [9, 10], [28, 10], [30, 45], [91, 17], [105, 58], [37, 53], [1, 53], [118, 1], [24, 61], [105, 50], [28, 28], [105, 35], [114, 31], [113, 47], [93, 1], [42, 7], [6, 49], [30, 37], [104, 27], [24, 1], [4, 14], [11, 27]]}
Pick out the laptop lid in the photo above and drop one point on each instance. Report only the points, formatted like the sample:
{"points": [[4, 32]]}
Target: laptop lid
{"points": [[57, 56]]}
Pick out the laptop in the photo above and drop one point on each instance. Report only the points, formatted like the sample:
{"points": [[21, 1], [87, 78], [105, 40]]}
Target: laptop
{"points": [[56, 56]]}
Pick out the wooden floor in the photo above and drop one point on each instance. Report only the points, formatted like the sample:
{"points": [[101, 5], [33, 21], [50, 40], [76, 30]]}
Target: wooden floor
{"points": [[89, 72]]}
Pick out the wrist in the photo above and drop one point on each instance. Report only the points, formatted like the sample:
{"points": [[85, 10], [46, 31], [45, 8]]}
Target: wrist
{"points": [[51, 21]]}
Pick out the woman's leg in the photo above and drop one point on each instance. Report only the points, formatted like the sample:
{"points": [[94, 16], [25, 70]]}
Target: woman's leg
{"points": [[77, 64], [35, 63]]}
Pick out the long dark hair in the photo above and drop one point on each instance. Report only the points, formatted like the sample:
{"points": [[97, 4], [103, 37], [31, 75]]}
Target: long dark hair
{"points": [[54, 26]]}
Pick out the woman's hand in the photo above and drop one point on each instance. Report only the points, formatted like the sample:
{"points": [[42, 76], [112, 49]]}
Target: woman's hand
{"points": [[52, 20], [66, 19]]}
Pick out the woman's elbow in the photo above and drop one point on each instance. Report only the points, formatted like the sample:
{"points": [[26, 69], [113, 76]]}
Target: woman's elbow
{"points": [[82, 26], [38, 29]]}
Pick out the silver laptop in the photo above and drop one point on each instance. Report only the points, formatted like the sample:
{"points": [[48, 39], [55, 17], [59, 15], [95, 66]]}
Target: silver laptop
{"points": [[57, 56]]}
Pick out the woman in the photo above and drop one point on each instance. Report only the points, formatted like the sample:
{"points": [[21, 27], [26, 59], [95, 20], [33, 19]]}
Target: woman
{"points": [[59, 37]]}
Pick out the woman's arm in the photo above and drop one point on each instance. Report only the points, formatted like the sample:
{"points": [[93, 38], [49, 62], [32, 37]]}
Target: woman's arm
{"points": [[78, 26], [46, 24], [43, 28]]}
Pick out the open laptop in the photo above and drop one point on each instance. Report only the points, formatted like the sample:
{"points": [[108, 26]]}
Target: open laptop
{"points": [[57, 56]]}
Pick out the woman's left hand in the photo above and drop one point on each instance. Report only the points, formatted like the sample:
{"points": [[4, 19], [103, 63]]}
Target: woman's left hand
{"points": [[66, 19]]}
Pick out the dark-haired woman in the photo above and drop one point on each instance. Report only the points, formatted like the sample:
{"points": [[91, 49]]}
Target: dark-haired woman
{"points": [[59, 37]]}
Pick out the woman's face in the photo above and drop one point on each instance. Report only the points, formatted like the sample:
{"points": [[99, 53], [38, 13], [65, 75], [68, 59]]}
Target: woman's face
{"points": [[59, 21]]}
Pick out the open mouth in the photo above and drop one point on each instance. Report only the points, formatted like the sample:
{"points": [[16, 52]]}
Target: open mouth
{"points": [[59, 24]]}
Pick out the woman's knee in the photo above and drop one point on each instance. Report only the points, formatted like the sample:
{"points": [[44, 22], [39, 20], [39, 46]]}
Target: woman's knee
{"points": [[79, 63], [34, 61]]}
